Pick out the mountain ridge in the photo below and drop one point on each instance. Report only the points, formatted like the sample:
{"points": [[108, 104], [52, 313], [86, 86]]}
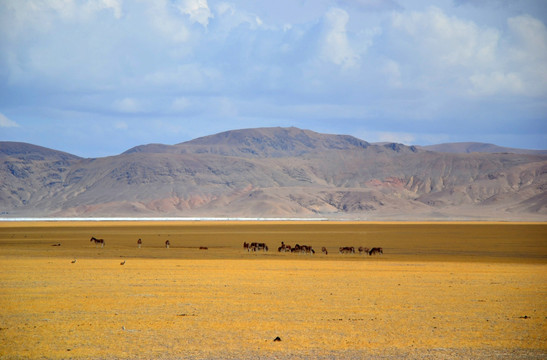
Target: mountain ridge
{"points": [[471, 147], [259, 142], [275, 172]]}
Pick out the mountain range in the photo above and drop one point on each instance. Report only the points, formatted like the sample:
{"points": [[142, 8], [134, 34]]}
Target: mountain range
{"points": [[278, 172]]}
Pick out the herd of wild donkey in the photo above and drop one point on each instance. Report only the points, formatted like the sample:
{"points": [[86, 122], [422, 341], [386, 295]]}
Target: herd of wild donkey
{"points": [[306, 249], [256, 246]]}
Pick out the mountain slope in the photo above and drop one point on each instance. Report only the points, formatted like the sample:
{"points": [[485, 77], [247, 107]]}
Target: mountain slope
{"points": [[279, 172], [29, 173], [261, 142], [471, 147]]}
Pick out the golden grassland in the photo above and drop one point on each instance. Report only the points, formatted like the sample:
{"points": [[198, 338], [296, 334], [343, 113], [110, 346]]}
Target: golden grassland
{"points": [[441, 290]]}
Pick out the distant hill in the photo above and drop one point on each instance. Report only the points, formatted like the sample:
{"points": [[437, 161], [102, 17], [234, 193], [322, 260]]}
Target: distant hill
{"points": [[262, 142], [471, 147], [275, 172], [22, 151]]}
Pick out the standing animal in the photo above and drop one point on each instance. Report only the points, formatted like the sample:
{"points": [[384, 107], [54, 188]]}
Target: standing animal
{"points": [[139, 243], [306, 249], [363, 250], [258, 246], [122, 263], [347, 250], [283, 247], [167, 244], [376, 250], [246, 246], [97, 241], [324, 250]]}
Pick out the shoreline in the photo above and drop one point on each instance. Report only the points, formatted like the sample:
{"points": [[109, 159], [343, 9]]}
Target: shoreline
{"points": [[236, 220]]}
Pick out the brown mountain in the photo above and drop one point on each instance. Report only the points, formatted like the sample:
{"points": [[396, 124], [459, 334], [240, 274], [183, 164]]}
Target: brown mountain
{"points": [[274, 172], [473, 147]]}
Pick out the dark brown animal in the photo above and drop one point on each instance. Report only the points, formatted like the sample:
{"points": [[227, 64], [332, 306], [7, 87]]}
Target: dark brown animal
{"points": [[376, 251], [139, 243], [324, 250], [97, 241], [363, 250], [283, 247], [304, 249], [347, 250], [203, 248], [255, 246], [167, 244]]}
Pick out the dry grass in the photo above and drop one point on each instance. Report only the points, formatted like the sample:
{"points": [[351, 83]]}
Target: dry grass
{"points": [[440, 290]]}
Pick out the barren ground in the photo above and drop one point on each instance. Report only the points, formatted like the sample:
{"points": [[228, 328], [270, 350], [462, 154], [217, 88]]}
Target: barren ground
{"points": [[441, 290]]}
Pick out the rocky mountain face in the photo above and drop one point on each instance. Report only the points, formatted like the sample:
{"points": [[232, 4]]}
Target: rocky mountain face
{"points": [[274, 172], [474, 147]]}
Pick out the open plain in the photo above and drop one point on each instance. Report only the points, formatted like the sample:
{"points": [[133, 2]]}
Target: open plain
{"points": [[440, 290]]}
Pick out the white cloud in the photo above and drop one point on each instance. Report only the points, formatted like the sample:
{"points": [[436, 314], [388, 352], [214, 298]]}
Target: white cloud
{"points": [[372, 5], [357, 63], [164, 20], [230, 17], [495, 83], [447, 41], [94, 6], [336, 47], [65, 8], [127, 105], [180, 104], [532, 36], [392, 71], [190, 77], [121, 125], [5, 122], [454, 55], [522, 65], [528, 53], [224, 8], [197, 10]]}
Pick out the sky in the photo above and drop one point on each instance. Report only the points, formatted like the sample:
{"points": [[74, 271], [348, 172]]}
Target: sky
{"points": [[97, 77]]}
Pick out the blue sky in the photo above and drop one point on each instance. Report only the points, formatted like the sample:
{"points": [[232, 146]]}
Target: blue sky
{"points": [[97, 77]]}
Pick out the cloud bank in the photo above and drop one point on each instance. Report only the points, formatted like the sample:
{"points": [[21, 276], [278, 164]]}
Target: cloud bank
{"points": [[174, 70]]}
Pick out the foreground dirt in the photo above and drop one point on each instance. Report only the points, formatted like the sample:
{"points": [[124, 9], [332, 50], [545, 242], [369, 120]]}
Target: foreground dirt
{"points": [[225, 303]]}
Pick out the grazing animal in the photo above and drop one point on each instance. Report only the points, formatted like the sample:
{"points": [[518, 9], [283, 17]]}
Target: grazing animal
{"points": [[167, 244], [246, 246], [139, 243], [73, 261], [324, 250], [363, 250], [56, 244], [304, 249], [347, 250], [257, 246], [283, 247], [97, 241], [122, 263], [376, 250]]}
